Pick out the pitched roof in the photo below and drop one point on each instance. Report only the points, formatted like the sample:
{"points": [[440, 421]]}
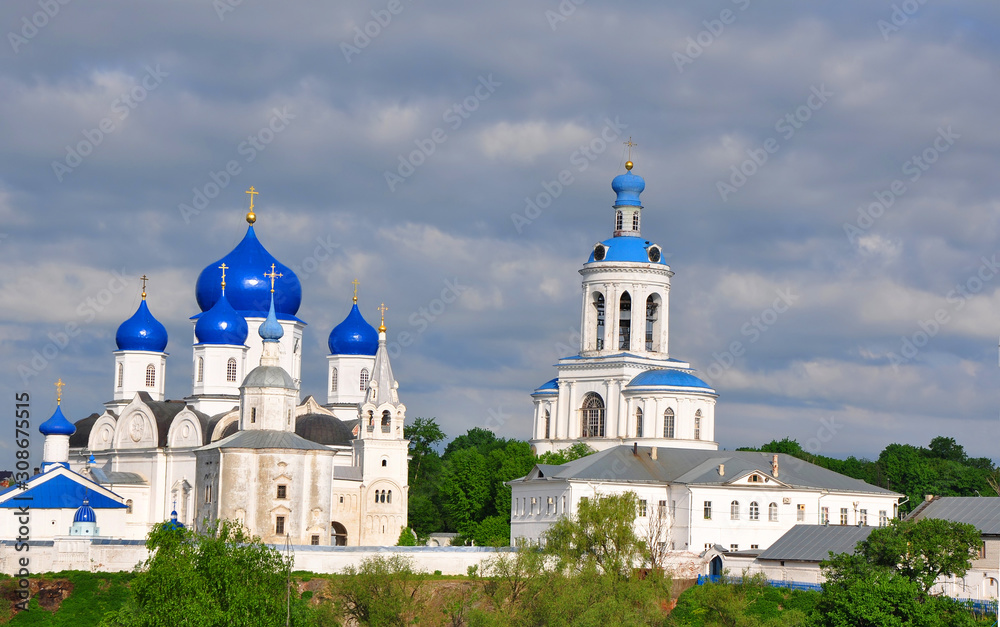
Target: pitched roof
{"points": [[982, 512], [263, 438], [813, 543], [700, 467], [60, 489]]}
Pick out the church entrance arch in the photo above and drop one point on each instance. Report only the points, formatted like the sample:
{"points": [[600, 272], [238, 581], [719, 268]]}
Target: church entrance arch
{"points": [[338, 534], [715, 566]]}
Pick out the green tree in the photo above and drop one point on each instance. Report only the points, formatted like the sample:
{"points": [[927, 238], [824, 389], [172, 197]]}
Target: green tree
{"points": [[483, 440], [947, 448], [513, 461], [465, 490], [602, 532], [407, 537], [381, 591], [222, 576], [924, 550], [492, 531], [423, 434], [565, 455]]}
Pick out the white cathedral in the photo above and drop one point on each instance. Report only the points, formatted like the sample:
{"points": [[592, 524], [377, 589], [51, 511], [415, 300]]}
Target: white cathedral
{"points": [[243, 445]]}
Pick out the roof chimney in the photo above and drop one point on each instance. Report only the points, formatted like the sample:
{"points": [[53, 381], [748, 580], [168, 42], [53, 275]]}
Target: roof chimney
{"points": [[635, 449], [774, 466], [929, 497], [722, 470], [652, 453]]}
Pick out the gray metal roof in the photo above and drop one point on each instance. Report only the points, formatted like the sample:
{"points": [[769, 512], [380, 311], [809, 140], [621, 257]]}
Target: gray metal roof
{"points": [[698, 467], [268, 377], [982, 512], [349, 473], [813, 543], [117, 478], [262, 438]]}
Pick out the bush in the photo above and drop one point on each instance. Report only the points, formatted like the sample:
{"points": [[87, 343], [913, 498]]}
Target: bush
{"points": [[407, 538], [380, 592]]}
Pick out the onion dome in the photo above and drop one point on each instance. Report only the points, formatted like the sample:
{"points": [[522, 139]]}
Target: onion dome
{"points": [[85, 513], [270, 330], [222, 325], [57, 424], [353, 336], [628, 186], [247, 289], [141, 332], [174, 523]]}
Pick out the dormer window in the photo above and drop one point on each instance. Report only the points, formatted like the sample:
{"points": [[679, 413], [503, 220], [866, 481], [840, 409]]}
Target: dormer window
{"points": [[599, 252], [755, 478]]}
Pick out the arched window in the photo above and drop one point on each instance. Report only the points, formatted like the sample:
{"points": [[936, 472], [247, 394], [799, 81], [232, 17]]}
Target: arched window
{"points": [[150, 376], [772, 512], [231, 370], [754, 511], [388, 497], [333, 380], [599, 311], [734, 510], [625, 322], [635, 221], [619, 220], [638, 422], [364, 379], [652, 326], [386, 420], [668, 423], [121, 375], [201, 369], [697, 425], [548, 424], [385, 462], [128, 506], [593, 416], [253, 415]]}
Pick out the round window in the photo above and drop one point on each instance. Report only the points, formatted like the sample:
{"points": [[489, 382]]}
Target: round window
{"points": [[599, 252], [654, 254]]}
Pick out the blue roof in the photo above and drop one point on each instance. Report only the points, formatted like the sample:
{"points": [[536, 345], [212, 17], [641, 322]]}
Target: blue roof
{"points": [[85, 514], [59, 492], [222, 325], [270, 330], [550, 385], [353, 336], [628, 186], [668, 377], [57, 424], [627, 248], [248, 291], [141, 332]]}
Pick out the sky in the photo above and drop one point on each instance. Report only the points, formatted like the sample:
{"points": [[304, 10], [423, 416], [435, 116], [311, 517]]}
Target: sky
{"points": [[821, 177]]}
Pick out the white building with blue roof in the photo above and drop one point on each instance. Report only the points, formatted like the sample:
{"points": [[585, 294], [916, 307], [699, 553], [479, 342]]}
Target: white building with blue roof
{"points": [[623, 386]]}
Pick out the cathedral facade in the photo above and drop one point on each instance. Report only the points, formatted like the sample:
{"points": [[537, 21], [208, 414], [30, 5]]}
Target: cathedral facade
{"points": [[244, 445]]}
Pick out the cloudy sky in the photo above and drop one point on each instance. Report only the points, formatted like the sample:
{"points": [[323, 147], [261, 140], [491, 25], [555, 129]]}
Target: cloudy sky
{"points": [[821, 175]]}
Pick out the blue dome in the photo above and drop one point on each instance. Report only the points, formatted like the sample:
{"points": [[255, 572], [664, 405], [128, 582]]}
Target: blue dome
{"points": [[246, 288], [85, 514], [668, 377], [141, 332], [633, 249], [628, 186], [57, 424], [222, 325], [353, 336], [270, 330], [551, 385]]}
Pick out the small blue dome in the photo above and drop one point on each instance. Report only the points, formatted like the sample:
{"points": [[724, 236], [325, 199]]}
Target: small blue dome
{"points": [[57, 424], [551, 385], [141, 332], [353, 336], [633, 249], [222, 325], [270, 330], [628, 186], [246, 288], [85, 514], [668, 377]]}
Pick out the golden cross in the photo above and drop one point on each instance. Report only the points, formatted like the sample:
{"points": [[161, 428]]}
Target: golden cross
{"points": [[382, 309], [272, 276], [223, 267], [630, 144], [356, 283], [143, 277], [252, 193], [59, 386]]}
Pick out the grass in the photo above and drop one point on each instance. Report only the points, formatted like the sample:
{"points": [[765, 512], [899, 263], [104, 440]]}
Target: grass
{"points": [[92, 596]]}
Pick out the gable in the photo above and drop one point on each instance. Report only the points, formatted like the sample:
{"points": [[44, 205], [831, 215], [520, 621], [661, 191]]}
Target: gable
{"points": [[63, 490]]}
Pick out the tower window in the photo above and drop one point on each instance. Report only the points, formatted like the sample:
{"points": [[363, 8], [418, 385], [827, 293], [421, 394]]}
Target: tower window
{"points": [[253, 415], [388, 497], [121, 374], [652, 328], [231, 370], [697, 425], [385, 463], [279, 525], [668, 423], [208, 493], [128, 506], [625, 322], [150, 376], [593, 416], [201, 369], [635, 221], [333, 380], [386, 420], [364, 379], [282, 492], [599, 309], [548, 424], [314, 541], [638, 422], [619, 219]]}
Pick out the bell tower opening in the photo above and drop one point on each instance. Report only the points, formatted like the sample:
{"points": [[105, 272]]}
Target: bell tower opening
{"points": [[625, 322]]}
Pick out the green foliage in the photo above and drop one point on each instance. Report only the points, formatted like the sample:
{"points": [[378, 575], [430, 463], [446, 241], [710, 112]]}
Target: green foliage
{"points": [[381, 591], [407, 538], [746, 602], [92, 596], [556, 458], [220, 577], [465, 490], [600, 536], [493, 531]]}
